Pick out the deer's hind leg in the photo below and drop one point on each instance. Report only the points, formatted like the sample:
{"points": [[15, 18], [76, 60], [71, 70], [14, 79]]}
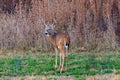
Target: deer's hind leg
{"points": [[62, 61], [56, 58], [66, 56]]}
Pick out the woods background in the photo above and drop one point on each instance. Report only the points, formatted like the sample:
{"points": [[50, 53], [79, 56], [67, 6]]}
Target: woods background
{"points": [[92, 24]]}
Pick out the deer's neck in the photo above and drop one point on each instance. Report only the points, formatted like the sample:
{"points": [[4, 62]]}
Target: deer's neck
{"points": [[53, 39]]}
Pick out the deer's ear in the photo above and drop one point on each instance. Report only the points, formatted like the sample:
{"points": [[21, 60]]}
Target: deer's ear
{"points": [[53, 33]]}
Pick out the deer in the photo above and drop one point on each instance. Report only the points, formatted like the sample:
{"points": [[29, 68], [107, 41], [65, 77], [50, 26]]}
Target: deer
{"points": [[60, 42]]}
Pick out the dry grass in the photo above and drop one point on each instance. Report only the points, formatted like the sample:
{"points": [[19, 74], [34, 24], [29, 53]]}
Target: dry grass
{"points": [[91, 24]]}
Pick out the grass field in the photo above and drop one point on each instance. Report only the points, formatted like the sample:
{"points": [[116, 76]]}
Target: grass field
{"points": [[27, 64]]}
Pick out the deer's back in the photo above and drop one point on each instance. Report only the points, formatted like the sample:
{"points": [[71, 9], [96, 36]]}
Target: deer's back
{"points": [[62, 39]]}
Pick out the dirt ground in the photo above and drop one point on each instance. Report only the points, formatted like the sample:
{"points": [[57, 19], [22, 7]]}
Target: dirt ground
{"points": [[104, 77], [95, 77], [38, 78]]}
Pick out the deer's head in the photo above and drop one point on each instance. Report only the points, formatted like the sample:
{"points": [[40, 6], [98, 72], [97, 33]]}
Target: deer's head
{"points": [[49, 29]]}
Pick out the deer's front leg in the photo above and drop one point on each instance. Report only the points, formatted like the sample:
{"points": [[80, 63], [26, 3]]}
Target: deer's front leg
{"points": [[56, 58]]}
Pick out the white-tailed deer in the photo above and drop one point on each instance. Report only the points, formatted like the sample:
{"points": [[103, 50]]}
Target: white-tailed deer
{"points": [[61, 42]]}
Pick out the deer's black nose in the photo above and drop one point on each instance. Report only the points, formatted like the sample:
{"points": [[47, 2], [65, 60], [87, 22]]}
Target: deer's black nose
{"points": [[46, 33]]}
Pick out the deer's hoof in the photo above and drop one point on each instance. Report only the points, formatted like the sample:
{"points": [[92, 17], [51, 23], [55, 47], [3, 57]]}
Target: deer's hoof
{"points": [[61, 71], [66, 68], [55, 67]]}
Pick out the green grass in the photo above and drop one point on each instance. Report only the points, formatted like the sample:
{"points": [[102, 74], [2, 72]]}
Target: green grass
{"points": [[42, 64]]}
